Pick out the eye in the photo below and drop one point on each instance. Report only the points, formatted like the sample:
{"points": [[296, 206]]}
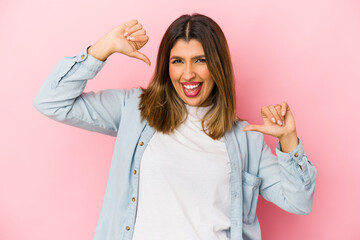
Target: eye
{"points": [[176, 61], [201, 60]]}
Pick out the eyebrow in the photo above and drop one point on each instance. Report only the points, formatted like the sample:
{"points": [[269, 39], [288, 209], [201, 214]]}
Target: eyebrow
{"points": [[177, 57]]}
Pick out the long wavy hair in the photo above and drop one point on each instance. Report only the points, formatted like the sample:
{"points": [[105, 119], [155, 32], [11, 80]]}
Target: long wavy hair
{"points": [[160, 104]]}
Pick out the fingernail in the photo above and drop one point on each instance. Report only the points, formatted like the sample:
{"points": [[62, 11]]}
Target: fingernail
{"points": [[125, 34], [130, 38], [279, 122], [283, 113], [273, 119]]}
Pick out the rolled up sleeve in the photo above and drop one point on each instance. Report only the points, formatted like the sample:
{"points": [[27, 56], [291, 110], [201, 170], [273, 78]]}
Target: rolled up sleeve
{"points": [[61, 96], [288, 179]]}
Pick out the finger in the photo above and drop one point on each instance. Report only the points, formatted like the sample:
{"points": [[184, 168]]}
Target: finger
{"points": [[132, 29], [141, 38], [252, 127], [139, 32], [265, 111], [278, 110], [141, 56], [276, 115], [284, 108], [131, 23], [122, 27]]}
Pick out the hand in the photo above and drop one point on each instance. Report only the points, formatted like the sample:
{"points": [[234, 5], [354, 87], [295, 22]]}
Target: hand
{"points": [[278, 121], [126, 38]]}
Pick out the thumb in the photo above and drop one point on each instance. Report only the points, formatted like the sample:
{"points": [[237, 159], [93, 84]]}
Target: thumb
{"points": [[253, 127], [141, 56]]}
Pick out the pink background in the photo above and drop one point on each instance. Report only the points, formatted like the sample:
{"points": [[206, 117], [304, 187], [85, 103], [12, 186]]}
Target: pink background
{"points": [[53, 176]]}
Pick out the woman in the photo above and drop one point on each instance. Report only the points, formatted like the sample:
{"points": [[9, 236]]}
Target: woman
{"points": [[202, 169]]}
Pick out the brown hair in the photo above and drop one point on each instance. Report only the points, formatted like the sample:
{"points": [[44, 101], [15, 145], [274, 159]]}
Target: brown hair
{"points": [[161, 106]]}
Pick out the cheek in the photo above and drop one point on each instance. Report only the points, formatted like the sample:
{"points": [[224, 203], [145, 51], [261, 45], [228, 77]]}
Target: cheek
{"points": [[172, 73], [204, 73], [174, 76]]}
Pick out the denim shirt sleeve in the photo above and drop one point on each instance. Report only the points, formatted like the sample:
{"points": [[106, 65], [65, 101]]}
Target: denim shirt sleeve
{"points": [[61, 96], [288, 179]]}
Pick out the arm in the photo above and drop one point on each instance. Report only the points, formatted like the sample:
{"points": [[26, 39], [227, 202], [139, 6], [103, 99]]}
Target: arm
{"points": [[288, 180], [61, 96]]}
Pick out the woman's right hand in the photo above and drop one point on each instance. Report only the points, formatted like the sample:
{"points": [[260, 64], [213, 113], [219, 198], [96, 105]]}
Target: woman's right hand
{"points": [[126, 38]]}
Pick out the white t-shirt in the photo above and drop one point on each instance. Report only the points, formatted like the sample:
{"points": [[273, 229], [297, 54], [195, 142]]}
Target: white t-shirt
{"points": [[184, 188]]}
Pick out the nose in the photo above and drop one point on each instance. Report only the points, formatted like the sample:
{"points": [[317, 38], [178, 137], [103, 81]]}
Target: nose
{"points": [[188, 74]]}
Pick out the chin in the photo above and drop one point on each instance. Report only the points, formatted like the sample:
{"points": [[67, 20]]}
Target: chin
{"points": [[192, 104]]}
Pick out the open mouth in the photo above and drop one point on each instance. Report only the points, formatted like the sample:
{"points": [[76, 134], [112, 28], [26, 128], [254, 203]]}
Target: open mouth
{"points": [[191, 89]]}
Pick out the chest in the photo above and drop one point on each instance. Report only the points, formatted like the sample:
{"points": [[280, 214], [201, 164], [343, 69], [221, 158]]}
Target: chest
{"points": [[186, 156]]}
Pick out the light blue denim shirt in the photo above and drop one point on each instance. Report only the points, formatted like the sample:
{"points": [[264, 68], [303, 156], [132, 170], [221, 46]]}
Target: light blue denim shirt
{"points": [[254, 169]]}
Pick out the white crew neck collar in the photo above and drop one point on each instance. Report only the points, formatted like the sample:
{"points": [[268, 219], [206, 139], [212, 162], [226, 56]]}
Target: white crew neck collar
{"points": [[196, 111]]}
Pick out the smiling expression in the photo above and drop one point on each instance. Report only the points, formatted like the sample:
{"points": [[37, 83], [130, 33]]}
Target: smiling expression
{"points": [[189, 73]]}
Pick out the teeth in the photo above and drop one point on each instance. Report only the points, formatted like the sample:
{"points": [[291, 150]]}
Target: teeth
{"points": [[191, 86]]}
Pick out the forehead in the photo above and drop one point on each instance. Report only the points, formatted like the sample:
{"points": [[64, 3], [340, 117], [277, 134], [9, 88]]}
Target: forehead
{"points": [[187, 49]]}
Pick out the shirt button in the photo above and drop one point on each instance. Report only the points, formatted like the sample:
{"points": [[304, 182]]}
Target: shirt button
{"points": [[296, 154], [133, 199], [82, 56], [134, 171], [141, 143], [127, 228]]}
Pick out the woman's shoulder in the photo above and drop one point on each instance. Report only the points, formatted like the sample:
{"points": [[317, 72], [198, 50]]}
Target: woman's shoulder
{"points": [[125, 97], [132, 92], [131, 96], [126, 94]]}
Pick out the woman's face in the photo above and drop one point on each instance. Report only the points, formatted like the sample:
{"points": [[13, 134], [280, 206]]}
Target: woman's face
{"points": [[189, 72]]}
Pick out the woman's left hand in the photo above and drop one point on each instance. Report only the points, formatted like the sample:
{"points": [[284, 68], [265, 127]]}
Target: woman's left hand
{"points": [[278, 121]]}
